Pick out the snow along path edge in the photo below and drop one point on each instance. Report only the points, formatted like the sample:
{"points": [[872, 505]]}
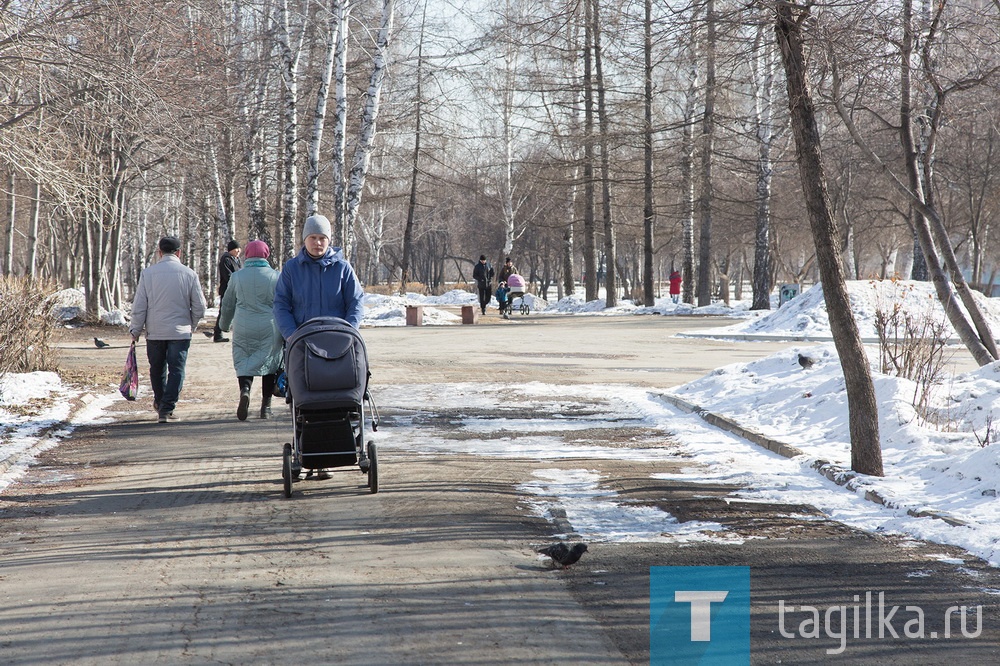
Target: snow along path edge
{"points": [[842, 476]]}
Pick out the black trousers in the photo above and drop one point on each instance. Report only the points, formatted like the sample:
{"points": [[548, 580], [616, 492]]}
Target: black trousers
{"points": [[484, 297]]}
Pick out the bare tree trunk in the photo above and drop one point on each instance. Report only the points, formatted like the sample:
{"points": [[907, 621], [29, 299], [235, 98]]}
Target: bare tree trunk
{"points": [[319, 116], [589, 230], [866, 452], [36, 213], [8, 254], [705, 200], [610, 251], [338, 159], [290, 119], [687, 168], [411, 209], [763, 61], [648, 212], [366, 136]]}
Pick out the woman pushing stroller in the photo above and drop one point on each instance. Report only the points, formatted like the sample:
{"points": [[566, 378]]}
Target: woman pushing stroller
{"points": [[317, 282]]}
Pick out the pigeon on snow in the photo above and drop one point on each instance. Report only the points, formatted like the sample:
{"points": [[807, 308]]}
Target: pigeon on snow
{"points": [[805, 361], [100, 344], [564, 555]]}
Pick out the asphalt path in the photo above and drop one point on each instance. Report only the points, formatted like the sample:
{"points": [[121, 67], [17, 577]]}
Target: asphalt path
{"points": [[135, 542]]}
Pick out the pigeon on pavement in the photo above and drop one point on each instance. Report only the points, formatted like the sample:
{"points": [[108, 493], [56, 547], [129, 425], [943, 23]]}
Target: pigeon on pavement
{"points": [[564, 555], [100, 344], [805, 361]]}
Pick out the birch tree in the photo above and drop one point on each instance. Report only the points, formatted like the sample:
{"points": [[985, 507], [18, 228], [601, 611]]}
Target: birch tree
{"points": [[369, 118], [763, 70], [332, 34], [289, 47], [610, 250], [338, 158]]}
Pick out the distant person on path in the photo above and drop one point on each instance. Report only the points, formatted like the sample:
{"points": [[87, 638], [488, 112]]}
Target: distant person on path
{"points": [[483, 275], [507, 270], [168, 304], [317, 282], [229, 263], [248, 308], [502, 300], [675, 286]]}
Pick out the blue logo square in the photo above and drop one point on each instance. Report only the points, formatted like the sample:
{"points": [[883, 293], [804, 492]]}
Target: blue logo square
{"points": [[699, 615]]}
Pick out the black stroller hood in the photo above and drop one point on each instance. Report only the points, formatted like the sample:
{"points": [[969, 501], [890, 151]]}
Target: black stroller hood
{"points": [[326, 363]]}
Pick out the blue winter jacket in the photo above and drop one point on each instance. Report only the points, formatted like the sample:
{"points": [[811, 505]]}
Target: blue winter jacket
{"points": [[324, 287]]}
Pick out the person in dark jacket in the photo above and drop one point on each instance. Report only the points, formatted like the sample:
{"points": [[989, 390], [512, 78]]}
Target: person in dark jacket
{"points": [[247, 308], [317, 282], [483, 275], [507, 270], [229, 263]]}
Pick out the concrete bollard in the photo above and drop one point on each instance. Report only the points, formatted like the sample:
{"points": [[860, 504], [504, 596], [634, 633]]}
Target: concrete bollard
{"points": [[468, 314]]}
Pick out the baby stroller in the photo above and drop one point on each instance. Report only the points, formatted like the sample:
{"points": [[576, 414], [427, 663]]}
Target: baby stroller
{"points": [[516, 285], [326, 365]]}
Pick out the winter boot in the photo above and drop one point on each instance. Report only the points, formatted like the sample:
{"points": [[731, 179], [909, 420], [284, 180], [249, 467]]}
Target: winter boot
{"points": [[265, 407], [241, 410]]}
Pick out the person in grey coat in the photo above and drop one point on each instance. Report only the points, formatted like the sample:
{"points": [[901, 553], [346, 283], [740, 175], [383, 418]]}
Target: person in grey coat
{"points": [[168, 304], [247, 310]]}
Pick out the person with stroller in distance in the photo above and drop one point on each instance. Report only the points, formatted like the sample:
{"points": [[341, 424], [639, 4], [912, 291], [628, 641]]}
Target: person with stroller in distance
{"points": [[168, 304], [317, 282], [483, 275], [247, 308], [507, 270]]}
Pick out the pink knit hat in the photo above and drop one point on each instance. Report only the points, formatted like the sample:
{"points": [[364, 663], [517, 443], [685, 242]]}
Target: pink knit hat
{"points": [[257, 248]]}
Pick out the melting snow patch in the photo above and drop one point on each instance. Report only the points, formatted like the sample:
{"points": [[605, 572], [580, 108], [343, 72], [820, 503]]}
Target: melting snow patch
{"points": [[596, 516]]}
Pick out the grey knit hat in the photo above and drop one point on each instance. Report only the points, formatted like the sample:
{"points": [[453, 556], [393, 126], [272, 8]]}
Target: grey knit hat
{"points": [[316, 224]]}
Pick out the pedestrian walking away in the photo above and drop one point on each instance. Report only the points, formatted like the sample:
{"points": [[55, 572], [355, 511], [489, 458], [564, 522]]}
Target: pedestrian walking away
{"points": [[483, 275], [229, 263], [168, 305], [248, 309]]}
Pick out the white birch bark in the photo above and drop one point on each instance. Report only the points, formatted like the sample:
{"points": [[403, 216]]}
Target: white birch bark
{"points": [[763, 64], [289, 78], [36, 213], [366, 136], [338, 159], [319, 114]]}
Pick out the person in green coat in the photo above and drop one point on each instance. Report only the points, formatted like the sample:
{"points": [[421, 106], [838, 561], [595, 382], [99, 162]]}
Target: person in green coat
{"points": [[247, 309]]}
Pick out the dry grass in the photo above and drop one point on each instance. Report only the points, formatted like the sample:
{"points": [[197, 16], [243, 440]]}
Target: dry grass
{"points": [[418, 288], [25, 326]]}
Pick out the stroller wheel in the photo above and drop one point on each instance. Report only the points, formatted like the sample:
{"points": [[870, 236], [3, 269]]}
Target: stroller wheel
{"points": [[286, 469], [372, 468]]}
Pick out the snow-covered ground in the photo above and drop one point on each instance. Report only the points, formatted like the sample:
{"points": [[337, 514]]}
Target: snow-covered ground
{"points": [[942, 466]]}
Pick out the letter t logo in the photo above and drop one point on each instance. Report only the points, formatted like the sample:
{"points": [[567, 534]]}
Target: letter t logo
{"points": [[701, 610]]}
